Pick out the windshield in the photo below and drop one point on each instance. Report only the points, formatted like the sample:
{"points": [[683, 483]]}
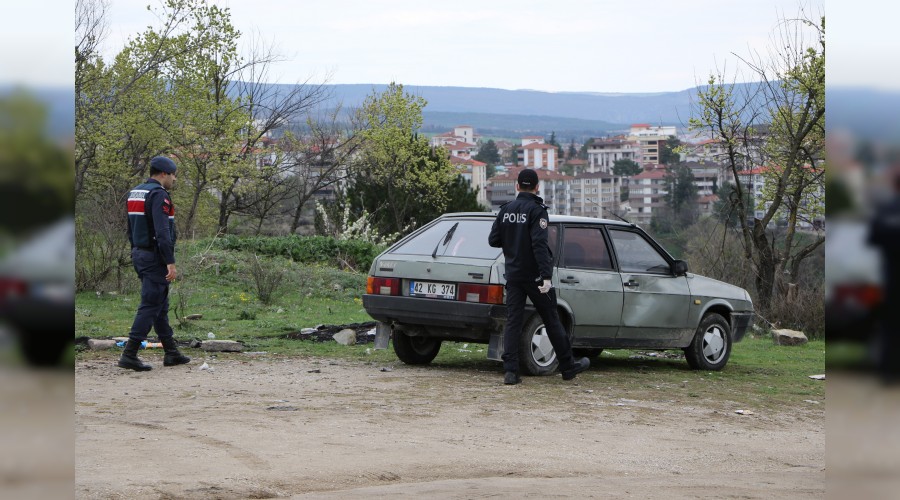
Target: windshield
{"points": [[469, 239]]}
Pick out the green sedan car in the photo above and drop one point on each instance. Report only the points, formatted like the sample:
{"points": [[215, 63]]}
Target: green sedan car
{"points": [[616, 288]]}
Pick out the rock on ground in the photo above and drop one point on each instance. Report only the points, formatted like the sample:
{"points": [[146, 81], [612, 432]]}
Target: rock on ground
{"points": [[789, 337], [221, 346]]}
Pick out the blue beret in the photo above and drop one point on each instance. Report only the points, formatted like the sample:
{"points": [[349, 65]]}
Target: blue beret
{"points": [[163, 164]]}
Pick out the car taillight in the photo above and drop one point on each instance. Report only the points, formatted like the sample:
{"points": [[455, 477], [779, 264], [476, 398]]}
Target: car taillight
{"points": [[867, 296], [12, 289], [382, 286], [485, 294]]}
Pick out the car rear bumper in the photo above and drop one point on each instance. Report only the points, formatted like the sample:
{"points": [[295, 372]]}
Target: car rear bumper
{"points": [[430, 312], [740, 322]]}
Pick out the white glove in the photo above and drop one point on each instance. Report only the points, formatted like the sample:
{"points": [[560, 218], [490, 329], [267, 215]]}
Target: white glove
{"points": [[546, 286]]}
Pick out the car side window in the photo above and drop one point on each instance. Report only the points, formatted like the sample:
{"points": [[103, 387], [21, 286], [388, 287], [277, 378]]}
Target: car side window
{"points": [[636, 254], [552, 239], [585, 248]]}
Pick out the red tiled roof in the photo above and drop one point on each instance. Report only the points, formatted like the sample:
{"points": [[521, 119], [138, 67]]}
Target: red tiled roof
{"points": [[537, 145], [658, 173], [755, 171], [456, 160], [640, 125]]}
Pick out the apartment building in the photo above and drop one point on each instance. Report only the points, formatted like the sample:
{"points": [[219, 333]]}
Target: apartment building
{"points": [[754, 182], [594, 194], [646, 195], [461, 149], [603, 153], [651, 140], [708, 176], [460, 133], [554, 189], [475, 172]]}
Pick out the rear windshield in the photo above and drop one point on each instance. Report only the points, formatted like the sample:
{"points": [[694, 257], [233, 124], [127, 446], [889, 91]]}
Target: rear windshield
{"points": [[469, 239]]}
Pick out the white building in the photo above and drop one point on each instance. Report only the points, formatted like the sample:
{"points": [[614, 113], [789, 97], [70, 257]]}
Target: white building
{"points": [[536, 154], [603, 153], [460, 133], [475, 172], [651, 140]]}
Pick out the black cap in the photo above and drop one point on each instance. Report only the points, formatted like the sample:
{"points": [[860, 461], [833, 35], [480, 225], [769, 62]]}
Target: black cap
{"points": [[528, 178], [163, 164]]}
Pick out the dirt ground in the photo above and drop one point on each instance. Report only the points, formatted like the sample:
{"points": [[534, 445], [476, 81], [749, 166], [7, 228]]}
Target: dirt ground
{"points": [[258, 427]]}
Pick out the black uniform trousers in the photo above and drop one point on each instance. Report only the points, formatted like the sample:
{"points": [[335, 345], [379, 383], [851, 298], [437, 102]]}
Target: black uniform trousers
{"points": [[545, 303], [154, 309]]}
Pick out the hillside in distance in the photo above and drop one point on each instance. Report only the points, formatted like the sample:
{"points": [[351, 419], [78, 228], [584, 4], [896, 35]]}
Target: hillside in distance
{"points": [[509, 112]]}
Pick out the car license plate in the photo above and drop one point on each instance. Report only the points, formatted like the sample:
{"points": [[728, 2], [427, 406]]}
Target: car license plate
{"points": [[432, 290]]}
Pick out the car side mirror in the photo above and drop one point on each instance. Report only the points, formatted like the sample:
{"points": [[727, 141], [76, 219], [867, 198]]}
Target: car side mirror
{"points": [[679, 268]]}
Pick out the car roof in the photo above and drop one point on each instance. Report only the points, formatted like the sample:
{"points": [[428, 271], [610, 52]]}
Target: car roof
{"points": [[553, 218]]}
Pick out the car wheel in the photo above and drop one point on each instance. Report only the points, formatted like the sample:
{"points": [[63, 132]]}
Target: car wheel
{"points": [[536, 354], [415, 350], [587, 352], [711, 346]]}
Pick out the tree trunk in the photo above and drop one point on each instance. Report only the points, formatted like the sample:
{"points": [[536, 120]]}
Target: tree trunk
{"points": [[765, 270]]}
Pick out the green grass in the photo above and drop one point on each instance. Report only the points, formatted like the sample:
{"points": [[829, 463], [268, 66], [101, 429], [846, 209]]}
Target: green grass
{"points": [[217, 286]]}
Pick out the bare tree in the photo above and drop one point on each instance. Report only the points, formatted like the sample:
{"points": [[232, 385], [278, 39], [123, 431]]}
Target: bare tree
{"points": [[790, 99], [270, 107], [322, 160]]}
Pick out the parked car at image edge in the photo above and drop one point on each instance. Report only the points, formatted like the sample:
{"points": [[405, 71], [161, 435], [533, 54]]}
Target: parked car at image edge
{"points": [[616, 288]]}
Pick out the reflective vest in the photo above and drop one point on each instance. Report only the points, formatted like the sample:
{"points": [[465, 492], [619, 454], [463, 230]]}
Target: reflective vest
{"points": [[140, 220]]}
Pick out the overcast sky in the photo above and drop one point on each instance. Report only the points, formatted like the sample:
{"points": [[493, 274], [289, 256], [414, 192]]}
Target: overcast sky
{"points": [[594, 46], [563, 45]]}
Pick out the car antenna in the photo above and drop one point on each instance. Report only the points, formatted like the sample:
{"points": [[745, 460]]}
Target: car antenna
{"points": [[617, 216], [446, 239]]}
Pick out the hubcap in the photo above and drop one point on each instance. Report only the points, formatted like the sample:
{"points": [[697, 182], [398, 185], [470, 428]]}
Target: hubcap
{"points": [[541, 348], [714, 344]]}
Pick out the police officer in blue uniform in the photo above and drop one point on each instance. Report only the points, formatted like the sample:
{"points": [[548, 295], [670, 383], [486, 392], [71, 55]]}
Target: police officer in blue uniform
{"points": [[521, 230], [151, 231]]}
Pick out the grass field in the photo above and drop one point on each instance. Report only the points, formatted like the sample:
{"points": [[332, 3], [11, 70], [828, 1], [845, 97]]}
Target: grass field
{"points": [[218, 286]]}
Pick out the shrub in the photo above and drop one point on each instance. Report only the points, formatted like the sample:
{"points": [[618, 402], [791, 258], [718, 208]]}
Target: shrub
{"points": [[267, 278]]}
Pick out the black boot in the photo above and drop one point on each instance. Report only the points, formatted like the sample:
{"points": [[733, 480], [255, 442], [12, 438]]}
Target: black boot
{"points": [[129, 357], [578, 366], [511, 378], [173, 357]]}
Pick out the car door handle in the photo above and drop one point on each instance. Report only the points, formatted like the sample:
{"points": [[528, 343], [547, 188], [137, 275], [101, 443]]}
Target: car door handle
{"points": [[569, 279], [632, 283]]}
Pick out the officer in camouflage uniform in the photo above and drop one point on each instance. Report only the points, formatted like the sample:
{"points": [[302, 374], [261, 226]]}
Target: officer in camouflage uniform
{"points": [[151, 231], [521, 230]]}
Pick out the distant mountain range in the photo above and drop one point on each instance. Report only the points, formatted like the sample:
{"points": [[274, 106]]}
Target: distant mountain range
{"points": [[569, 114], [504, 113]]}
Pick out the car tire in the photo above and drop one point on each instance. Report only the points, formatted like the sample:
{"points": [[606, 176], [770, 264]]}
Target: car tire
{"points": [[711, 346], [536, 354], [415, 350], [587, 352]]}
